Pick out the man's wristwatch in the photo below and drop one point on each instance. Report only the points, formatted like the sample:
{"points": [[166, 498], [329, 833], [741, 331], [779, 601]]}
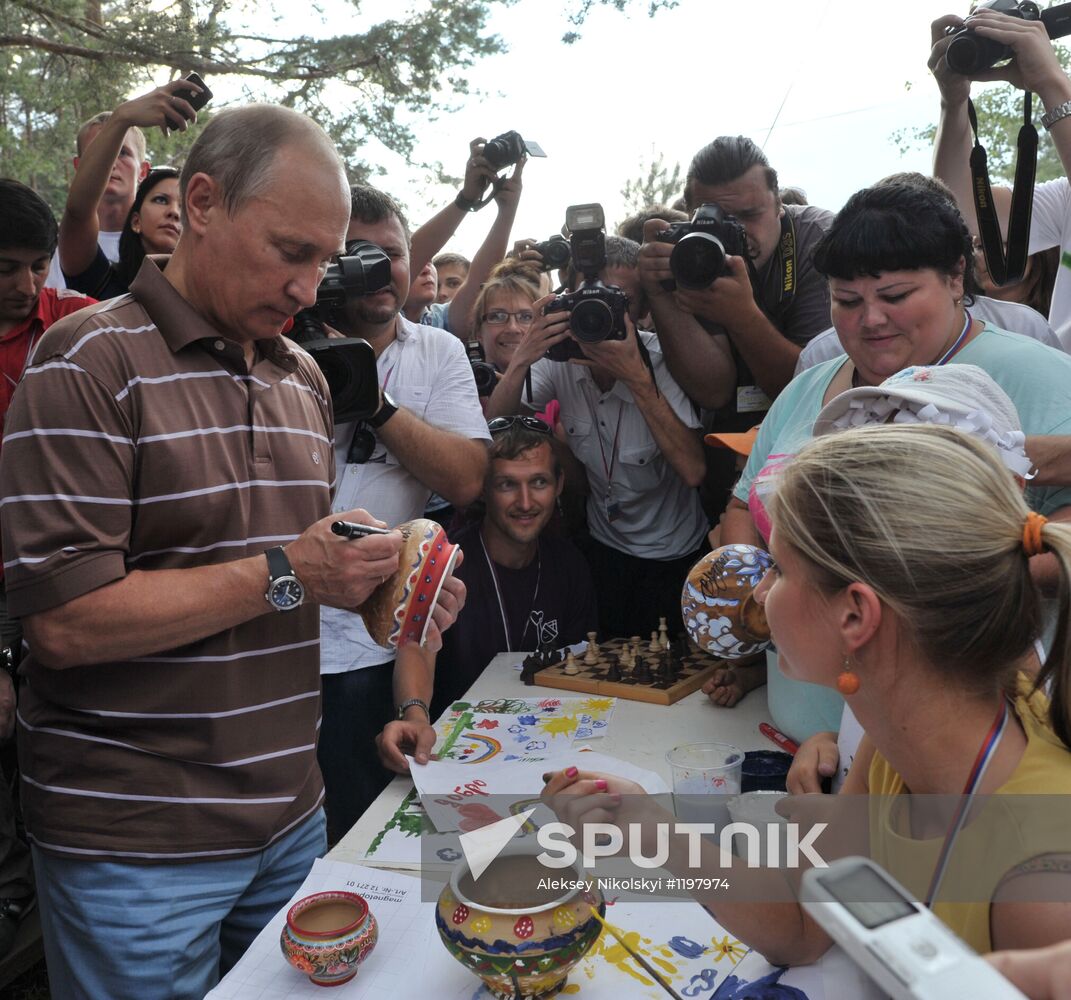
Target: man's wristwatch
{"points": [[410, 703], [1058, 113], [386, 410], [285, 591]]}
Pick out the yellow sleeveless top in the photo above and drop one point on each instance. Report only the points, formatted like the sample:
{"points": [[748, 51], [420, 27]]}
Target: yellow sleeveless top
{"points": [[998, 837]]}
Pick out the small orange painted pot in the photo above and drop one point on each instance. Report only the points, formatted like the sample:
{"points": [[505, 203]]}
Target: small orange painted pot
{"points": [[399, 609], [328, 935], [718, 603]]}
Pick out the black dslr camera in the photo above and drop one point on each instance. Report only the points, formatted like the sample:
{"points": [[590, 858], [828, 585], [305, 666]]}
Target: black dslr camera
{"points": [[506, 149], [969, 52], [701, 246], [348, 363], [555, 251], [596, 311], [483, 373]]}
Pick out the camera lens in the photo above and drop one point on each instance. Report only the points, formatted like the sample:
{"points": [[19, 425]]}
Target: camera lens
{"points": [[555, 253], [968, 53], [697, 260], [591, 321]]}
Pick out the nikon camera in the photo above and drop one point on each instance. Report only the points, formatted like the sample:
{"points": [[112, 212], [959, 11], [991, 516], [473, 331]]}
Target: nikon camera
{"points": [[969, 52], [348, 363], [596, 311], [701, 246]]}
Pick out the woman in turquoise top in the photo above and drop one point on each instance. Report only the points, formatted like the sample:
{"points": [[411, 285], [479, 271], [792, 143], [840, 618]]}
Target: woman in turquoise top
{"points": [[899, 262]]}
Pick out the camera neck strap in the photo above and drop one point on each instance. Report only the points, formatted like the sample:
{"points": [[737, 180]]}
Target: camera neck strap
{"points": [[788, 261], [1005, 266]]}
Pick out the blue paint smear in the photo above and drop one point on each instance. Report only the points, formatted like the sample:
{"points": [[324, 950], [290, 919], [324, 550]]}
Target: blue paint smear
{"points": [[766, 988], [685, 947]]}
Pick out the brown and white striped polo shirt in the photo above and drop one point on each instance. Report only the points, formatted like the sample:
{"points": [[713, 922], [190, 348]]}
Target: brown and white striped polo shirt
{"points": [[138, 440]]}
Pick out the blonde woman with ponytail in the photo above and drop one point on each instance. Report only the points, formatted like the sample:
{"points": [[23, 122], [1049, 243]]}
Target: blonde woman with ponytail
{"points": [[901, 579]]}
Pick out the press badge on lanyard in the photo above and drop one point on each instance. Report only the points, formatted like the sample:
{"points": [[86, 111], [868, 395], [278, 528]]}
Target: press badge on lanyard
{"points": [[751, 399]]}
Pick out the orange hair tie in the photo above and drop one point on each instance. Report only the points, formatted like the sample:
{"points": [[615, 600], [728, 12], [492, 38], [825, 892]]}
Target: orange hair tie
{"points": [[1032, 542]]}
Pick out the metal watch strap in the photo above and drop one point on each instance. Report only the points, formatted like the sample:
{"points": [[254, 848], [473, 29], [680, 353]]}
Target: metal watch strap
{"points": [[410, 703], [278, 564], [1058, 113]]}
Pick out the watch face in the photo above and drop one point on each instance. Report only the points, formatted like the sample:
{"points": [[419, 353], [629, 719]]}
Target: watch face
{"points": [[286, 593]]}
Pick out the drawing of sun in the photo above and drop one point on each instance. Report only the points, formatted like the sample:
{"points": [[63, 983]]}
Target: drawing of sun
{"points": [[596, 705], [560, 724], [733, 950]]}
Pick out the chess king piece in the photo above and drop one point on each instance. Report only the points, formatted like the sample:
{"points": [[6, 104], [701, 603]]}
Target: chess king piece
{"points": [[718, 604], [663, 633]]}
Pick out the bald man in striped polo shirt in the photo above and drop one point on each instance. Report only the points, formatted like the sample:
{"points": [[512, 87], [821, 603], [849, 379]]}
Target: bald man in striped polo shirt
{"points": [[165, 485]]}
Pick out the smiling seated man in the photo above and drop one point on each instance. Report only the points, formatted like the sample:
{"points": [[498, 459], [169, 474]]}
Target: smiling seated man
{"points": [[525, 586]]}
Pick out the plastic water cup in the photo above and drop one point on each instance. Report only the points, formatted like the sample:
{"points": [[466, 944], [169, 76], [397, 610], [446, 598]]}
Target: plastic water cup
{"points": [[700, 771]]}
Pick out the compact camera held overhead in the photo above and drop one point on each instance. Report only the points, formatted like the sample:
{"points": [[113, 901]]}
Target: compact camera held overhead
{"points": [[596, 311]]}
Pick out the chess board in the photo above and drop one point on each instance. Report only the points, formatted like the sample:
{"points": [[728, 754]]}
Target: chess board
{"points": [[694, 670]]}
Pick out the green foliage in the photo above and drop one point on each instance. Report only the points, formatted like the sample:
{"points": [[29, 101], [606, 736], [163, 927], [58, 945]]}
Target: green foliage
{"points": [[1000, 116], [62, 61], [659, 185]]}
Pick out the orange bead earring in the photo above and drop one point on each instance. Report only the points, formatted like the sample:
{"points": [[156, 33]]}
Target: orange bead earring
{"points": [[847, 682]]}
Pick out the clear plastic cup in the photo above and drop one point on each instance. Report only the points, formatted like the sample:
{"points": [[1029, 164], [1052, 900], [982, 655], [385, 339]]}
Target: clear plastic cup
{"points": [[702, 770]]}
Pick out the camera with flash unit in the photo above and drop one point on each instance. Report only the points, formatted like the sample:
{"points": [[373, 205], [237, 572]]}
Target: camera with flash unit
{"points": [[596, 311]]}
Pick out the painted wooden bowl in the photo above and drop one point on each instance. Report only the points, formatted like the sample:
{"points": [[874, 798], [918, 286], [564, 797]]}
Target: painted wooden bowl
{"points": [[718, 605], [328, 935], [399, 610], [520, 940]]}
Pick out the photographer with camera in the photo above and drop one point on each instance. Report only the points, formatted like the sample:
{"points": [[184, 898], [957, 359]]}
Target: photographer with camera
{"points": [[732, 340], [109, 173], [429, 434], [455, 315], [628, 423], [1011, 31]]}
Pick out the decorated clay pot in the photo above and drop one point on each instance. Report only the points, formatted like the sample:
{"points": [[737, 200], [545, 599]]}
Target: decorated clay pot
{"points": [[519, 939], [718, 604], [327, 935], [398, 611]]}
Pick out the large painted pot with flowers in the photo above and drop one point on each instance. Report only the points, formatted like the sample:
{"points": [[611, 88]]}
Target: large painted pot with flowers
{"points": [[328, 935], [519, 939], [718, 602], [399, 610]]}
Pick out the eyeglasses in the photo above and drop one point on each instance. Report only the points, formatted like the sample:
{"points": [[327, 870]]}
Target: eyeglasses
{"points": [[499, 317], [531, 423]]}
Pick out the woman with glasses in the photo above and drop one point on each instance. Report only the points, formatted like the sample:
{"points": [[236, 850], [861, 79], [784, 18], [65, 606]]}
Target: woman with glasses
{"points": [[504, 311]]}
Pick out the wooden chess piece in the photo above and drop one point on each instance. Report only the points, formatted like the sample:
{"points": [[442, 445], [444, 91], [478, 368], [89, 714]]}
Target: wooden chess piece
{"points": [[571, 667], [591, 655], [642, 673], [663, 633], [655, 645], [613, 673]]}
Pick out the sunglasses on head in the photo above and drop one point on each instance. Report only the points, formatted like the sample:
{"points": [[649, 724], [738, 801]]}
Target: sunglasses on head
{"points": [[505, 423]]}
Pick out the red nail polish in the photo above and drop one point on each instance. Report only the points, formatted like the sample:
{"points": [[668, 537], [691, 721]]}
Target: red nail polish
{"points": [[571, 772], [600, 784]]}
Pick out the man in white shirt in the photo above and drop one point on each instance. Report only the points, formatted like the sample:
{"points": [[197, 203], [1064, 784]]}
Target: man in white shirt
{"points": [[429, 435], [130, 169]]}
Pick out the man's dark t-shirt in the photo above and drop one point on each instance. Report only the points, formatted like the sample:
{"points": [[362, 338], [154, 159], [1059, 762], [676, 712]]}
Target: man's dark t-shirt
{"points": [[552, 600]]}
